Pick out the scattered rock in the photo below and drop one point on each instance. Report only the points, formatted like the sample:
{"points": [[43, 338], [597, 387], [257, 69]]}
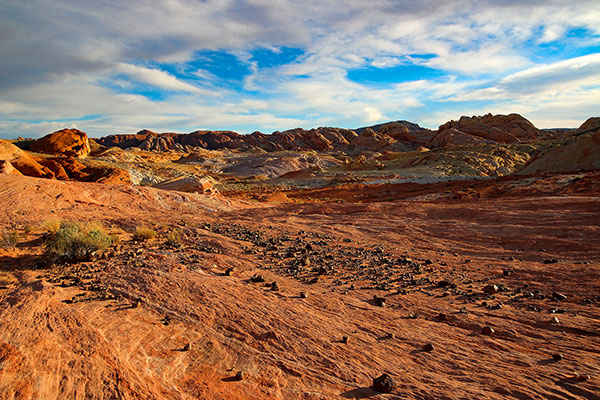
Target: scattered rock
{"points": [[239, 376], [274, 287], [303, 295], [490, 289], [345, 339], [186, 347], [487, 330], [554, 320], [441, 317], [384, 384], [557, 357], [379, 301], [257, 278], [428, 347], [229, 271]]}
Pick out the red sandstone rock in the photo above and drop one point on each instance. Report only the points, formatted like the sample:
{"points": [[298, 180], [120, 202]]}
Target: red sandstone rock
{"points": [[66, 142]]}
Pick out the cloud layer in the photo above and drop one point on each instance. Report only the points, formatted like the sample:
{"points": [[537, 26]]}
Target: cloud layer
{"points": [[182, 65]]}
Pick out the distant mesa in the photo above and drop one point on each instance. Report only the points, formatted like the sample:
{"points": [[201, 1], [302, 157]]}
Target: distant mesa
{"points": [[66, 142]]}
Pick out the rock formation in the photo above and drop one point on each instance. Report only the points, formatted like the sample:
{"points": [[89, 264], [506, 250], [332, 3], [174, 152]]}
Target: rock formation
{"points": [[14, 158], [66, 142], [512, 128], [190, 184]]}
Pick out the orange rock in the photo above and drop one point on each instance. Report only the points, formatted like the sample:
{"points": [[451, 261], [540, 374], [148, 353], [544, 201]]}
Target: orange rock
{"points": [[7, 168], [25, 163], [188, 184], [66, 142]]}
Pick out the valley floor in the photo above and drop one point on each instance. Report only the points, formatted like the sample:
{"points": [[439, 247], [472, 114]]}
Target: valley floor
{"points": [[74, 332]]}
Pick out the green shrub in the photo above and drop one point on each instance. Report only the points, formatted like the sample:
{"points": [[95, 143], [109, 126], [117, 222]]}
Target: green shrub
{"points": [[28, 229], [72, 242], [144, 233], [9, 240]]}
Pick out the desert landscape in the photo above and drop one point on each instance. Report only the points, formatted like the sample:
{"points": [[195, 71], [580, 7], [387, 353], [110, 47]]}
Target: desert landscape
{"points": [[385, 262], [299, 200]]}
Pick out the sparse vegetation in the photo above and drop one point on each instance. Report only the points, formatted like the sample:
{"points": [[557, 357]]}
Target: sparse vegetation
{"points": [[144, 233], [52, 225], [28, 229], [74, 242], [9, 239], [174, 237]]}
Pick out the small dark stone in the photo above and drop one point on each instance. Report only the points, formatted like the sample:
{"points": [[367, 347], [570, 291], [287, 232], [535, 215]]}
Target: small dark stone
{"points": [[487, 330], [428, 347], [303, 295], [257, 279], [444, 283], [441, 317], [274, 287], [229, 271], [506, 272], [239, 376], [379, 301], [384, 384], [490, 289], [345, 339], [186, 347], [557, 357], [413, 315]]}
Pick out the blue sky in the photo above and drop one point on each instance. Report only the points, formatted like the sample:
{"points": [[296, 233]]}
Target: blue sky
{"points": [[110, 66]]}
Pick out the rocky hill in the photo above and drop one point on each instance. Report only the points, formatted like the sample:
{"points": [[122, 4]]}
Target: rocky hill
{"points": [[391, 136]]}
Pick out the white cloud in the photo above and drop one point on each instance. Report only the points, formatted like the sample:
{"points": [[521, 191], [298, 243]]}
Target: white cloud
{"points": [[478, 44], [159, 78]]}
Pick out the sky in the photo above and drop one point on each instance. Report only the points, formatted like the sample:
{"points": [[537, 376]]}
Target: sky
{"points": [[114, 66]]}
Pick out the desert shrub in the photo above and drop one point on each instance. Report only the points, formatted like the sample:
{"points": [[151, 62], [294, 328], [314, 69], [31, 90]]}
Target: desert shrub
{"points": [[52, 225], [9, 239], [28, 229], [174, 237], [144, 233], [72, 242]]}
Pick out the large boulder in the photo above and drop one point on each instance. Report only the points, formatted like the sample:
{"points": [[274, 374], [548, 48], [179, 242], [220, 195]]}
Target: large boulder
{"points": [[66, 142]]}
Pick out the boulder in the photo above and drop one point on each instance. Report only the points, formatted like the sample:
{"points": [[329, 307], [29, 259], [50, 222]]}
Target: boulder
{"points": [[66, 142]]}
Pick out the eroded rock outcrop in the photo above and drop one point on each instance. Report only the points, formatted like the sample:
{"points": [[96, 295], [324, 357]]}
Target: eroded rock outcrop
{"points": [[511, 128], [14, 158], [66, 142]]}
